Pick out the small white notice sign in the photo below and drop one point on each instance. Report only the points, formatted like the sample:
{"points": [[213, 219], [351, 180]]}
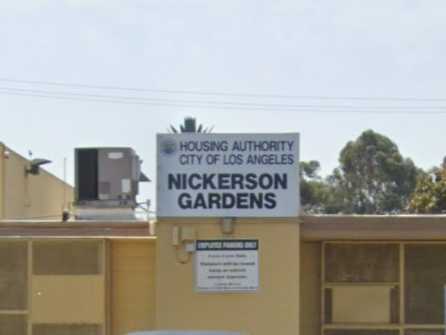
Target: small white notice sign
{"points": [[227, 265]]}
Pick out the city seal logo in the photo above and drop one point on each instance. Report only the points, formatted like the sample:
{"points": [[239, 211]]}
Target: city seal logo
{"points": [[168, 146]]}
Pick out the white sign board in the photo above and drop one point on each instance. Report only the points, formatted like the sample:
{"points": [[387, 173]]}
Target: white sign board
{"points": [[227, 265], [228, 175]]}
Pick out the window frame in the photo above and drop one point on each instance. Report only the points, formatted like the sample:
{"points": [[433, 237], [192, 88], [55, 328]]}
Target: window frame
{"points": [[401, 326]]}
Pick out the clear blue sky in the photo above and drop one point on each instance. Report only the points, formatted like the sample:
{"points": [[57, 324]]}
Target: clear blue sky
{"points": [[339, 48]]}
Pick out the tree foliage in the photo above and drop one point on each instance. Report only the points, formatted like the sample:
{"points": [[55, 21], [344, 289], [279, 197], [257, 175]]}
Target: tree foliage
{"points": [[430, 194], [312, 188], [318, 195], [190, 125], [373, 176]]}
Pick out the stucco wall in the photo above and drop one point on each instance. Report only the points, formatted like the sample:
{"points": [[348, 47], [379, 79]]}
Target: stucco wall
{"points": [[274, 309], [132, 286], [24, 196], [310, 290]]}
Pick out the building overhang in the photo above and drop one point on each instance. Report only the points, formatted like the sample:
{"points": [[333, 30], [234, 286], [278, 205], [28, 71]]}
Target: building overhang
{"points": [[313, 228], [75, 229], [373, 227]]}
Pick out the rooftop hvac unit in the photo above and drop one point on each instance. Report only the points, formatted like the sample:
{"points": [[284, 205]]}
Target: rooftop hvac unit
{"points": [[106, 182]]}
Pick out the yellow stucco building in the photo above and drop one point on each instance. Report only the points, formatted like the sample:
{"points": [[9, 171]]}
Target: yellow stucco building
{"points": [[317, 275], [27, 196], [330, 275]]}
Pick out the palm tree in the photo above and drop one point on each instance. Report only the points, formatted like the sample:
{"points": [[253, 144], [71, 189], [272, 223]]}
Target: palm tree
{"points": [[190, 126]]}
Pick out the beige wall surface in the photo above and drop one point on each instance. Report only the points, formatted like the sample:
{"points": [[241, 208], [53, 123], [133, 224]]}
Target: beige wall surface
{"points": [[68, 299], [22, 196], [347, 299], [310, 289], [273, 309], [132, 285]]}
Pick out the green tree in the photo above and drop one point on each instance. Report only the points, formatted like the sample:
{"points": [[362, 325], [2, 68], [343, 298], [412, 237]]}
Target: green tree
{"points": [[336, 200], [318, 195], [190, 125], [430, 194], [373, 177], [312, 187]]}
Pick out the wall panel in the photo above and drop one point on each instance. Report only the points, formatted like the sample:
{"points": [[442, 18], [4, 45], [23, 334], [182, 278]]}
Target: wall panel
{"points": [[132, 286]]}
